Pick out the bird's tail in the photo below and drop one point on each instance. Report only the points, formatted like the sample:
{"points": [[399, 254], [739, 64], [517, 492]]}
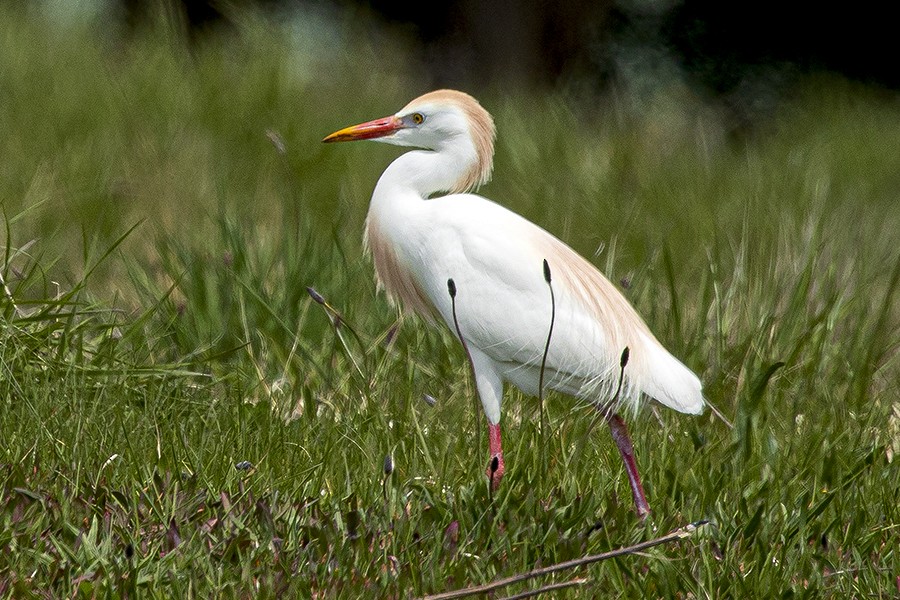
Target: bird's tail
{"points": [[669, 382]]}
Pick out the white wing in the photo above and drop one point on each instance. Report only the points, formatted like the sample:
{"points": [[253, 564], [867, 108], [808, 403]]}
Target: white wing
{"points": [[503, 305]]}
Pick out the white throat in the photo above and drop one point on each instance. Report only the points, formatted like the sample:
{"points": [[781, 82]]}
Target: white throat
{"points": [[426, 172]]}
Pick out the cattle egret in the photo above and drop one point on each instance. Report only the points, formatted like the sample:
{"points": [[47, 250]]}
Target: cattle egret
{"points": [[499, 300]]}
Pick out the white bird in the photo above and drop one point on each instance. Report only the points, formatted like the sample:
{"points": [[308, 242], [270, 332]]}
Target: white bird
{"points": [[502, 308]]}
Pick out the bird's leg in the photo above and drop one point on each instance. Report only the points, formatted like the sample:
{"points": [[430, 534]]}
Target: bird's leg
{"points": [[623, 441], [495, 468]]}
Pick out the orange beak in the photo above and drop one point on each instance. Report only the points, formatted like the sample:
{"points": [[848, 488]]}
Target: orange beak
{"points": [[366, 131]]}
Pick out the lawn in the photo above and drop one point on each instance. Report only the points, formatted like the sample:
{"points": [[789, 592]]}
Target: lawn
{"points": [[181, 418]]}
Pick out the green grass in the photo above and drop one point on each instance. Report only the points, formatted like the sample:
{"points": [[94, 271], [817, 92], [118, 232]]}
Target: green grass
{"points": [[156, 331]]}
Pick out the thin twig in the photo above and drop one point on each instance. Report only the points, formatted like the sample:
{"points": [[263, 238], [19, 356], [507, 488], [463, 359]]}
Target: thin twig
{"points": [[677, 534], [9, 296], [451, 290], [718, 413], [337, 318], [547, 278], [547, 588], [338, 322], [605, 410]]}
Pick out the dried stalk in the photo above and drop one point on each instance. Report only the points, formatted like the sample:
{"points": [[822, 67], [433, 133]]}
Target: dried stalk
{"points": [[678, 534]]}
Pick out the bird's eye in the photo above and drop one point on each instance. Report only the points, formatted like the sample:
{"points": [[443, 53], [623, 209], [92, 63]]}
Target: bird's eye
{"points": [[418, 118]]}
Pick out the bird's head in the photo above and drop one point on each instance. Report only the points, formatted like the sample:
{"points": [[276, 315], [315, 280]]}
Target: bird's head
{"points": [[440, 121]]}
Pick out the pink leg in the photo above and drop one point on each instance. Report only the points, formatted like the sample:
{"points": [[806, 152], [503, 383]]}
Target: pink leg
{"points": [[495, 468], [623, 441]]}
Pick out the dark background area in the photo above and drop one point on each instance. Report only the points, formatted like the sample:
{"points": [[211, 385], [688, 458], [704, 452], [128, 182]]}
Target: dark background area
{"points": [[720, 45]]}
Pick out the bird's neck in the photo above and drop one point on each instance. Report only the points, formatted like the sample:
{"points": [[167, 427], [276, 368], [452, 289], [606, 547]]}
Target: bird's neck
{"points": [[419, 174], [398, 201], [391, 226]]}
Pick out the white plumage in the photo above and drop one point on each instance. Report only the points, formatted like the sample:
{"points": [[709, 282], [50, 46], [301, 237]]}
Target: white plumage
{"points": [[495, 258]]}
